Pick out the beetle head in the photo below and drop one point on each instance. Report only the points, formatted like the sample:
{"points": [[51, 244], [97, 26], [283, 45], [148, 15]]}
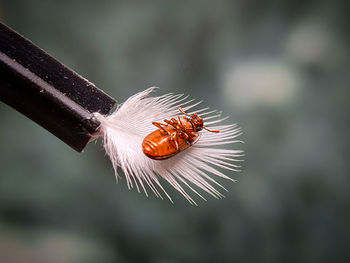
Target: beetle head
{"points": [[197, 122]]}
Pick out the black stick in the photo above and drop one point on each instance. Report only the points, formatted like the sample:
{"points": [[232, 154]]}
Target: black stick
{"points": [[49, 93]]}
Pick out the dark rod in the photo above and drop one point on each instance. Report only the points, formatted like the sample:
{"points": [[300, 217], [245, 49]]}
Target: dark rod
{"points": [[49, 93]]}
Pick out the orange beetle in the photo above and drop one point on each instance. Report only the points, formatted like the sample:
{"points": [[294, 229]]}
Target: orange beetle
{"points": [[173, 137]]}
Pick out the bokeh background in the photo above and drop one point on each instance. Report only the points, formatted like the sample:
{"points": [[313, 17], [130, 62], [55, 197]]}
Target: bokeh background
{"points": [[280, 69]]}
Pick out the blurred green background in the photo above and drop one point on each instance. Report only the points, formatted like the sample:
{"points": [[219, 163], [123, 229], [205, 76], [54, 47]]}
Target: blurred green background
{"points": [[280, 69]]}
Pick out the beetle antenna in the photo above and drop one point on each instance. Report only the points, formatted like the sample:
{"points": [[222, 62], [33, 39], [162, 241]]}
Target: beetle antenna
{"points": [[182, 111], [217, 131]]}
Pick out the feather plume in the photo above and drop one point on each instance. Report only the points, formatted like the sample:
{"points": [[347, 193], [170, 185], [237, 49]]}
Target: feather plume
{"points": [[124, 130]]}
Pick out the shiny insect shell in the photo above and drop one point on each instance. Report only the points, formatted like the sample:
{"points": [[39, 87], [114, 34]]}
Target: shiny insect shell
{"points": [[173, 137]]}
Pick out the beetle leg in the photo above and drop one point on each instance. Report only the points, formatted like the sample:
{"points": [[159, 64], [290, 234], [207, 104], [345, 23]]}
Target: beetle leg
{"points": [[168, 122], [175, 139], [173, 142], [158, 124], [173, 122], [183, 112], [181, 131], [194, 128], [181, 126], [176, 143], [186, 136], [160, 127], [179, 120]]}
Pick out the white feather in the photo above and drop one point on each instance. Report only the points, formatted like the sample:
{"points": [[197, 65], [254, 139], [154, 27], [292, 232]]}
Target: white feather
{"points": [[124, 130]]}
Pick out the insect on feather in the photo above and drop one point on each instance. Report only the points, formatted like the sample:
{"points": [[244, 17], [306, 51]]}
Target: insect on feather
{"points": [[186, 156], [173, 137]]}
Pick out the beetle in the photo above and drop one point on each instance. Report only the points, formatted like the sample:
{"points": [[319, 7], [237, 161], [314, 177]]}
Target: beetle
{"points": [[176, 135]]}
